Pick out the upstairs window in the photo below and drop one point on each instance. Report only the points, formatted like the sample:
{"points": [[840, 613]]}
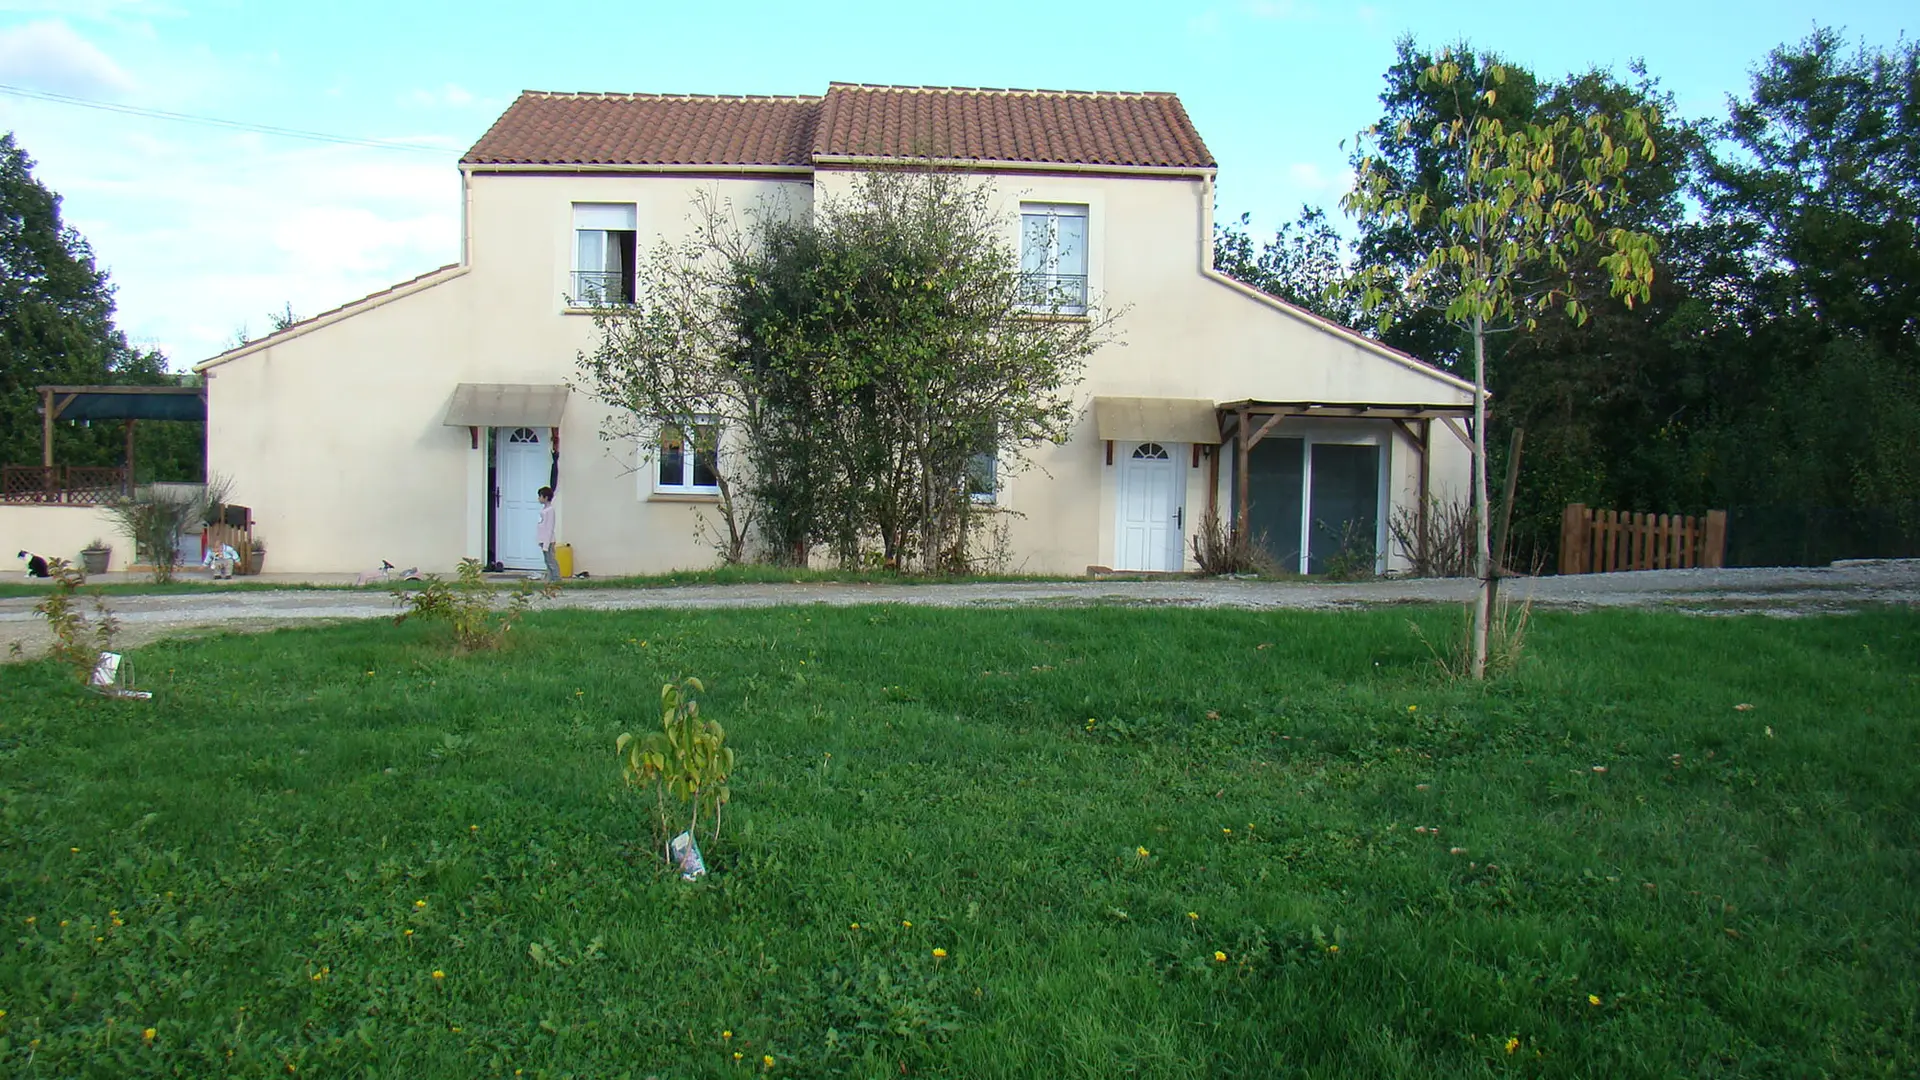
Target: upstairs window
{"points": [[603, 255], [686, 458], [1053, 257]]}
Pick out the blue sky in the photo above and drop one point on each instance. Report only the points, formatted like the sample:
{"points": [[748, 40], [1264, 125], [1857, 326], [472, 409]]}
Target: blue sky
{"points": [[206, 229]]}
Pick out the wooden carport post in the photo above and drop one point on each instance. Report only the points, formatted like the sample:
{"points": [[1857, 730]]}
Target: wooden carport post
{"points": [[46, 427], [1240, 476]]}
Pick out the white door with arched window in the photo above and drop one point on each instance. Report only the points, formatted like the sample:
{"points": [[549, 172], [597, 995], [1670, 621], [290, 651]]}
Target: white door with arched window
{"points": [[523, 464], [1149, 533]]}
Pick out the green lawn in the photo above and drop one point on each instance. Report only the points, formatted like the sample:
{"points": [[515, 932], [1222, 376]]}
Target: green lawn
{"points": [[270, 862]]}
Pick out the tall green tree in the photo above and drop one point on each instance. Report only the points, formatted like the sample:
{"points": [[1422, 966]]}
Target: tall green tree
{"points": [[56, 326], [1306, 263], [1519, 213], [1813, 218]]}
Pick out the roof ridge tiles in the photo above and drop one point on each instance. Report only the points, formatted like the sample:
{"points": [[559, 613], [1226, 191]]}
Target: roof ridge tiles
{"points": [[1030, 128]]}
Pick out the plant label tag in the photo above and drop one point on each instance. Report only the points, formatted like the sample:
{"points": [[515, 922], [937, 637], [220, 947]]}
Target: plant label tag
{"points": [[684, 853], [108, 669]]}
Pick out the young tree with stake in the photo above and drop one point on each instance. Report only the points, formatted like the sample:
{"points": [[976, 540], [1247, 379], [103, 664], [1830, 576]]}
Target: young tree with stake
{"points": [[1520, 209]]}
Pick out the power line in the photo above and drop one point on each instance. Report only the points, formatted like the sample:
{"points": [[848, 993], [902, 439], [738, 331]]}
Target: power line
{"points": [[217, 122]]}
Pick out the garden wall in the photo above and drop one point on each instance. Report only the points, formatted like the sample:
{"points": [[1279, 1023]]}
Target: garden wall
{"points": [[58, 531]]}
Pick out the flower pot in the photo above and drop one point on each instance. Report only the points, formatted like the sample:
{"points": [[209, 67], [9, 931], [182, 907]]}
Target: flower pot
{"points": [[94, 560], [259, 560]]}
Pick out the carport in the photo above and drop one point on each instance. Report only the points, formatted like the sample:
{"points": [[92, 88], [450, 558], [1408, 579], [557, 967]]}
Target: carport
{"points": [[79, 485]]}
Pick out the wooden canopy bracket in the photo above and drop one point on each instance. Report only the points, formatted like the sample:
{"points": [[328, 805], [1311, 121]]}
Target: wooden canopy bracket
{"points": [[473, 432], [1458, 431], [1266, 427]]}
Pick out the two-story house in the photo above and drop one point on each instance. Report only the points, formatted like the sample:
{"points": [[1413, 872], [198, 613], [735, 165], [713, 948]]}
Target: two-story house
{"points": [[416, 424]]}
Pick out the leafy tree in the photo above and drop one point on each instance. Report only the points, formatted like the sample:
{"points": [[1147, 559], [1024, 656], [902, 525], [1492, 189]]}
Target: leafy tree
{"points": [[56, 326], [1519, 212], [863, 356], [1306, 264], [1813, 218]]}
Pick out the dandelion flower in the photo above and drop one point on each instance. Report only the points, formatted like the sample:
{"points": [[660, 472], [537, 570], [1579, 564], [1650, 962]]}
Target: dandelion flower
{"points": [[737, 1055], [76, 851], [853, 926], [726, 1034], [1193, 915], [1512, 1044], [1413, 708], [1219, 957], [1333, 948], [908, 923], [409, 933], [149, 1034], [1593, 999], [1226, 830], [419, 903], [939, 954], [767, 1061], [1142, 852], [438, 974]]}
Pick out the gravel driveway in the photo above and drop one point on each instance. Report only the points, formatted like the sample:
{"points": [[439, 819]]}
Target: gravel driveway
{"points": [[1790, 591]]}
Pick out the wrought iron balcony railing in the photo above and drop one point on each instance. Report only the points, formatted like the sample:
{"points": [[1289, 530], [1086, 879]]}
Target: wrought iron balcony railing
{"points": [[602, 288], [1065, 294]]}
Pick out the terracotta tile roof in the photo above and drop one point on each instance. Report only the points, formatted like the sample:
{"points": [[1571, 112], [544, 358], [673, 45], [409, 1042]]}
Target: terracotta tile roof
{"points": [[649, 129], [1032, 127], [1028, 126]]}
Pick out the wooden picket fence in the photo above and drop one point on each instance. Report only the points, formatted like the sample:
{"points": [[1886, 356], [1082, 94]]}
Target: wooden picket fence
{"points": [[1604, 541]]}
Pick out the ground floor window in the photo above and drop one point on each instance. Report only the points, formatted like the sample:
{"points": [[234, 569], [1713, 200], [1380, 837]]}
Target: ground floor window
{"points": [[686, 458]]}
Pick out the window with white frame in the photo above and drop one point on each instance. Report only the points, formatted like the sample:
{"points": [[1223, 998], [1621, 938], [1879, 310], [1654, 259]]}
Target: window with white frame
{"points": [[1053, 257], [686, 458], [603, 255], [983, 476]]}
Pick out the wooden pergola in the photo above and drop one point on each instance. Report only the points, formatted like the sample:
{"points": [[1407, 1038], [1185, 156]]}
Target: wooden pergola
{"points": [[130, 404], [1245, 423]]}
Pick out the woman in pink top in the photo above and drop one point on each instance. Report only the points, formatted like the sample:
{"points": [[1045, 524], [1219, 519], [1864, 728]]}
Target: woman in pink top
{"points": [[544, 535]]}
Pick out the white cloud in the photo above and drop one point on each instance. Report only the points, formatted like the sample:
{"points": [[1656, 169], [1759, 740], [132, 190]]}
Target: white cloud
{"points": [[450, 96], [89, 9], [1279, 9], [203, 232], [49, 55], [1309, 177]]}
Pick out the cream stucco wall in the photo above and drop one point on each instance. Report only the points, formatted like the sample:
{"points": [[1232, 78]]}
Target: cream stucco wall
{"points": [[60, 532], [333, 432]]}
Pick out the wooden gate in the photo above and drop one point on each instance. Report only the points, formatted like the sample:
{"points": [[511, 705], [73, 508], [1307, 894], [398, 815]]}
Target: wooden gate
{"points": [[1603, 541]]}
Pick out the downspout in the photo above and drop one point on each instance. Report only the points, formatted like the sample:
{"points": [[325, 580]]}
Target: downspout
{"points": [[466, 215]]}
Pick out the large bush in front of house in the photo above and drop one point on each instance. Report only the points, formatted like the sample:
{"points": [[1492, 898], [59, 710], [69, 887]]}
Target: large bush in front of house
{"points": [[865, 371]]}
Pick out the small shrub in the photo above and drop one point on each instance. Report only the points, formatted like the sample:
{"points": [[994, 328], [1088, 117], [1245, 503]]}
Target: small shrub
{"points": [[1355, 559], [78, 640], [1446, 548], [467, 605], [1220, 550], [686, 763]]}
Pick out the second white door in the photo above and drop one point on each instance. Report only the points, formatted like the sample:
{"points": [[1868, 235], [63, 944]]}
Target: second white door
{"points": [[1150, 531]]}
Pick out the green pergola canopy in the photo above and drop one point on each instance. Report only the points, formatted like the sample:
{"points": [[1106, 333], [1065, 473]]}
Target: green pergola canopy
{"points": [[126, 402]]}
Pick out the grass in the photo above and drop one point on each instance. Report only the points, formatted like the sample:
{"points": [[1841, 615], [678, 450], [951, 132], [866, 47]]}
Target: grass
{"points": [[268, 863]]}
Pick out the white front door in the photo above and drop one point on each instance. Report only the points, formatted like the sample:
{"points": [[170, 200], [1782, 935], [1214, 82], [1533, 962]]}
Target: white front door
{"points": [[1149, 534], [523, 463]]}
